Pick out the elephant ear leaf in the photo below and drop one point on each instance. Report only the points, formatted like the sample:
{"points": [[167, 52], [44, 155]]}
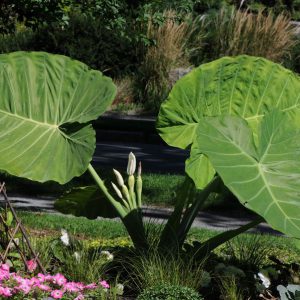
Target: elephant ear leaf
{"points": [[243, 86], [47, 104], [85, 201], [265, 178]]}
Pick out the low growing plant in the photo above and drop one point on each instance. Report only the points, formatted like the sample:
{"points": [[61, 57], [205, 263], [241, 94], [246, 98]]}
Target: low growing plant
{"points": [[166, 291]]}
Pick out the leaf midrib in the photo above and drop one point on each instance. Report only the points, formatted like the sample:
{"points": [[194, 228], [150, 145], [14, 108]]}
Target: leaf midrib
{"points": [[54, 126], [261, 173]]}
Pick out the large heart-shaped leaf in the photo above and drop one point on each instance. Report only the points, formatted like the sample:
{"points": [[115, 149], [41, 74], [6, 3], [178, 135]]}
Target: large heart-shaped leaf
{"points": [[265, 178], [46, 104], [245, 86], [85, 201]]}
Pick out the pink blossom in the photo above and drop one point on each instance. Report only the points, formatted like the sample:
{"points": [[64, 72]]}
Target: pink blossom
{"points": [[79, 297], [44, 287], [59, 279], [5, 291], [104, 284], [80, 285], [31, 265], [5, 267], [91, 286], [71, 287], [34, 281], [57, 294], [4, 274], [41, 277], [25, 288]]}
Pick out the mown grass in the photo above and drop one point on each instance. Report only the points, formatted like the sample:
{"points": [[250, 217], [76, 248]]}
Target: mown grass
{"points": [[279, 246]]}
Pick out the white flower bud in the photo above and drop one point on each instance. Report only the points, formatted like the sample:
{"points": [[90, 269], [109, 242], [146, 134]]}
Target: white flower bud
{"points": [[119, 177], [131, 164], [117, 190]]}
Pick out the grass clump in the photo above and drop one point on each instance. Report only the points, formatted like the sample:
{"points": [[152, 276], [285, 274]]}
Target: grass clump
{"points": [[168, 292], [148, 269], [166, 52], [232, 32]]}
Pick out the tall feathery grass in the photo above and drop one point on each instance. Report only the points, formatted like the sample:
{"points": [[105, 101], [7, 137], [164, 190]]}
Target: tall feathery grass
{"points": [[262, 34], [166, 52]]}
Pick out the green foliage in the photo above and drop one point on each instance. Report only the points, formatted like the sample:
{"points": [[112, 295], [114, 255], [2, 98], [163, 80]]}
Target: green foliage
{"points": [[87, 202], [47, 104], [168, 292], [259, 175], [147, 269], [32, 13], [224, 86]]}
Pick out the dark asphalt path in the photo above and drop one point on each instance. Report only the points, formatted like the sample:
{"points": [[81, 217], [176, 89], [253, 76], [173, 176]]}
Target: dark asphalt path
{"points": [[156, 158], [218, 221]]}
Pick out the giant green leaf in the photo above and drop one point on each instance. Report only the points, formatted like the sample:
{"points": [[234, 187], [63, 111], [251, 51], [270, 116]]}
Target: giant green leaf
{"points": [[85, 201], [245, 86], [46, 105], [264, 177]]}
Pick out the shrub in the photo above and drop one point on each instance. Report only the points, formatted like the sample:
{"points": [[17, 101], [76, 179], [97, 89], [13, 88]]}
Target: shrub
{"points": [[166, 52], [232, 32], [85, 38], [168, 292]]}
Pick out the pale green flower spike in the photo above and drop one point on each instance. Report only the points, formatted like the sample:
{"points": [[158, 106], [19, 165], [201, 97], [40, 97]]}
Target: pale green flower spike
{"points": [[119, 177], [131, 164], [118, 192]]}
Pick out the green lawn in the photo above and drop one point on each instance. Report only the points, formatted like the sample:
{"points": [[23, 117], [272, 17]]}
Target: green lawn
{"points": [[281, 247]]}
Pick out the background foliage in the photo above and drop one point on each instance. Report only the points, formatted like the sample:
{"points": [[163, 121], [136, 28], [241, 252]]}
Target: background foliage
{"points": [[123, 40]]}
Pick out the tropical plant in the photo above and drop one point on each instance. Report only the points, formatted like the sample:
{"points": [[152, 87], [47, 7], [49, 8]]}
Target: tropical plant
{"points": [[48, 102], [197, 117], [221, 110], [238, 86]]}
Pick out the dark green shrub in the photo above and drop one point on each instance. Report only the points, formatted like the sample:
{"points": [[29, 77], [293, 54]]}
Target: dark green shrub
{"points": [[169, 292]]}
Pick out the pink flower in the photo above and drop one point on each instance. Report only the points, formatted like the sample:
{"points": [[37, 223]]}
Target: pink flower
{"points": [[59, 279], [25, 288], [31, 265], [5, 267], [34, 281], [71, 287], [104, 284], [41, 277], [44, 287], [79, 297], [3, 274], [6, 292], [57, 294], [91, 286]]}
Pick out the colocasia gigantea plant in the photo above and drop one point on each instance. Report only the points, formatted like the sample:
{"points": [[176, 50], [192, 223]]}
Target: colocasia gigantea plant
{"points": [[239, 116]]}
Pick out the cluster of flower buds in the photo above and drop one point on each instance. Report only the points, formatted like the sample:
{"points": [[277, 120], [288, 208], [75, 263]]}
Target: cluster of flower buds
{"points": [[131, 195]]}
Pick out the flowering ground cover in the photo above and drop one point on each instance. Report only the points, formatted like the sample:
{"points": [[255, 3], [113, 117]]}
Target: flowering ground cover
{"points": [[21, 286]]}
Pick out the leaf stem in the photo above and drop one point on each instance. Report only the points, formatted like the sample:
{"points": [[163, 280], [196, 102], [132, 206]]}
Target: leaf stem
{"points": [[119, 208]]}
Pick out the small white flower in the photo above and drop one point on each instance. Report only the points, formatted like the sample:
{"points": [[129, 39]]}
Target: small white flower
{"points": [[265, 280], [119, 177], [77, 256], [108, 255], [120, 289], [131, 164], [65, 237]]}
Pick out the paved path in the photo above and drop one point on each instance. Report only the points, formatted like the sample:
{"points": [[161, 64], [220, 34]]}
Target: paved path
{"points": [[209, 220], [154, 157]]}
